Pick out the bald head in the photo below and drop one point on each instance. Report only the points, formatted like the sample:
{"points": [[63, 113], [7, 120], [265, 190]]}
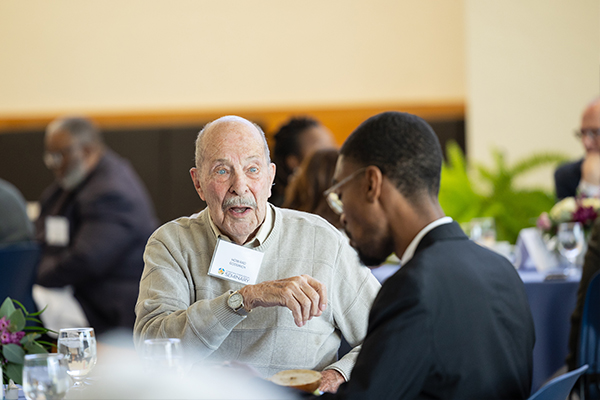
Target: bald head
{"points": [[223, 124], [590, 122]]}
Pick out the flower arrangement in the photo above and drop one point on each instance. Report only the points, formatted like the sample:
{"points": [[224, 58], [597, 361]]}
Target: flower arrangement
{"points": [[571, 209], [17, 339]]}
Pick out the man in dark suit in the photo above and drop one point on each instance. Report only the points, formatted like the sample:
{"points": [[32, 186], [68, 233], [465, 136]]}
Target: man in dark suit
{"points": [[94, 224], [454, 321], [583, 175]]}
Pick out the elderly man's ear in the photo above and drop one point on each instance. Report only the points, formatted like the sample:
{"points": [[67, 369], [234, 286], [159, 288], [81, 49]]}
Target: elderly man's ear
{"points": [[195, 174]]}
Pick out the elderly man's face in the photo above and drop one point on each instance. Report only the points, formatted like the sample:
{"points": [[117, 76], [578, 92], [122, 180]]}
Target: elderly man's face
{"points": [[590, 121], [235, 178]]}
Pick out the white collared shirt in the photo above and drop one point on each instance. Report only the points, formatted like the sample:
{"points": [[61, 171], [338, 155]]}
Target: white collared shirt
{"points": [[410, 250], [260, 237]]}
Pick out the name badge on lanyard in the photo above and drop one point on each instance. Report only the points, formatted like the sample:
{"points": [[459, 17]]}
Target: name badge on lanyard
{"points": [[235, 263]]}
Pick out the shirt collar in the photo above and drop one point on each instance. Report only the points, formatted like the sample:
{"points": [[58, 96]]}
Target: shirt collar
{"points": [[410, 250], [263, 232]]}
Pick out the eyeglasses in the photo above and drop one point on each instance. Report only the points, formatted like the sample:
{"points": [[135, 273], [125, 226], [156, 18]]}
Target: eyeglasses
{"points": [[591, 133], [333, 200]]}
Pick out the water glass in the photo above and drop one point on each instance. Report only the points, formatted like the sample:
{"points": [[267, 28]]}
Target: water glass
{"points": [[163, 355], [570, 240], [45, 376], [483, 231], [79, 348]]}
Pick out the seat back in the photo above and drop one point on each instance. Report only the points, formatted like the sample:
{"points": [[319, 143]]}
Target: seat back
{"points": [[559, 387], [589, 349], [18, 269]]}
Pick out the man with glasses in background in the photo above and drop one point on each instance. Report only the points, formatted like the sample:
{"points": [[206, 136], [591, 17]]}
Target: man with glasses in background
{"points": [[454, 322], [583, 176], [94, 222]]}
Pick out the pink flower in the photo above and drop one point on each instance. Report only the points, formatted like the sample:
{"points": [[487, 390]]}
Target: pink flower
{"points": [[544, 222], [4, 323], [585, 215], [5, 337], [16, 337]]}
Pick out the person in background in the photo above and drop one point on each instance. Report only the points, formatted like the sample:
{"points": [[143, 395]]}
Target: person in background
{"points": [[591, 265], [305, 191], [94, 222], [295, 140], [15, 225], [309, 287], [454, 322], [583, 176]]}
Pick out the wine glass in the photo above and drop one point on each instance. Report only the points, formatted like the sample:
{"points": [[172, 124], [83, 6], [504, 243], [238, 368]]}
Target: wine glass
{"points": [[570, 242], [79, 347], [45, 376], [163, 355]]}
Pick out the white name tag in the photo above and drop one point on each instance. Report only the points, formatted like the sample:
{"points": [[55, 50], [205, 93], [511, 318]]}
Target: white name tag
{"points": [[57, 231], [235, 263]]}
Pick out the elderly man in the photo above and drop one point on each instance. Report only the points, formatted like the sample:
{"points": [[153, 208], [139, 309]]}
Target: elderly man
{"points": [[308, 288], [584, 175], [454, 321], [94, 223]]}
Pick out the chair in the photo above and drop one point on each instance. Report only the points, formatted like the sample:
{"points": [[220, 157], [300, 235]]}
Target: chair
{"points": [[559, 387], [18, 269], [589, 341]]}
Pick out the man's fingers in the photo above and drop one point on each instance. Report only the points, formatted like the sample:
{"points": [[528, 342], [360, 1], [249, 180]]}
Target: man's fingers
{"points": [[321, 291]]}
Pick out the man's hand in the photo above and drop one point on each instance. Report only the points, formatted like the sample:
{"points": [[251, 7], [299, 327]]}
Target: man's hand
{"points": [[590, 168], [305, 296], [331, 381]]}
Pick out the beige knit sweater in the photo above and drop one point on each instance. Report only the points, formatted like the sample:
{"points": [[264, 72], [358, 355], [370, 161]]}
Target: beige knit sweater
{"points": [[178, 299]]}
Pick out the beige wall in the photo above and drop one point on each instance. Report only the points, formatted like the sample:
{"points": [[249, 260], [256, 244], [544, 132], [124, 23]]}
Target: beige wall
{"points": [[131, 56], [532, 65]]}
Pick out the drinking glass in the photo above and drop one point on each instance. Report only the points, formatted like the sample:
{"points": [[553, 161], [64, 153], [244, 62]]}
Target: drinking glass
{"points": [[45, 376], [483, 231], [163, 355], [570, 242], [79, 347]]}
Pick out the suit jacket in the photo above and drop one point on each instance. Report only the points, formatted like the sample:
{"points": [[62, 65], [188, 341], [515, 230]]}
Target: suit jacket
{"points": [[566, 179], [110, 218], [453, 323], [15, 225]]}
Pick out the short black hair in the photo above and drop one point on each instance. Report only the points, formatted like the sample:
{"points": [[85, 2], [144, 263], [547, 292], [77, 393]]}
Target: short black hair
{"points": [[404, 147], [287, 138]]}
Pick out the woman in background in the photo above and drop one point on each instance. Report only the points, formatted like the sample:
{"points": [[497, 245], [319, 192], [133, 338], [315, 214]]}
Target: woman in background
{"points": [[306, 187]]}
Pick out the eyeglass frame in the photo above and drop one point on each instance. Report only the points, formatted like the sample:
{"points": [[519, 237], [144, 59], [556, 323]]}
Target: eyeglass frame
{"points": [[333, 200], [53, 159], [592, 133]]}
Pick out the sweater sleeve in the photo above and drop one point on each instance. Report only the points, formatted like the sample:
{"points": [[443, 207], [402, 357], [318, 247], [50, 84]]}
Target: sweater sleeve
{"points": [[354, 290], [165, 306]]}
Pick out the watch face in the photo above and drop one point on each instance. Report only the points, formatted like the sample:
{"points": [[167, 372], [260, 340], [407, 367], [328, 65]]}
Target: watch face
{"points": [[235, 301]]}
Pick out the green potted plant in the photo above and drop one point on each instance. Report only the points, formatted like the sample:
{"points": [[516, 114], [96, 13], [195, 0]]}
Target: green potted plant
{"points": [[478, 191]]}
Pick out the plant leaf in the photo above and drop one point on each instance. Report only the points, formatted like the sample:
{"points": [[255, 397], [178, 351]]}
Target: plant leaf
{"points": [[13, 353], [17, 321], [15, 372], [7, 308], [35, 348]]}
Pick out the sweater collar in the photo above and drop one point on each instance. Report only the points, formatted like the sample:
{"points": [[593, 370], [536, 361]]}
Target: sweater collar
{"points": [[263, 231]]}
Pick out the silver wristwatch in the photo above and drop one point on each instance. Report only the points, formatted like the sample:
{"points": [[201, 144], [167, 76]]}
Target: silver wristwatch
{"points": [[236, 302]]}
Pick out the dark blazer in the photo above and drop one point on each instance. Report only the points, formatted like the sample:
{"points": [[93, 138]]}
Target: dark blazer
{"points": [[566, 179], [453, 323], [110, 219]]}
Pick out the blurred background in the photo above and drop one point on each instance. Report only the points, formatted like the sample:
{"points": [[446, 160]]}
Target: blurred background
{"points": [[511, 76]]}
